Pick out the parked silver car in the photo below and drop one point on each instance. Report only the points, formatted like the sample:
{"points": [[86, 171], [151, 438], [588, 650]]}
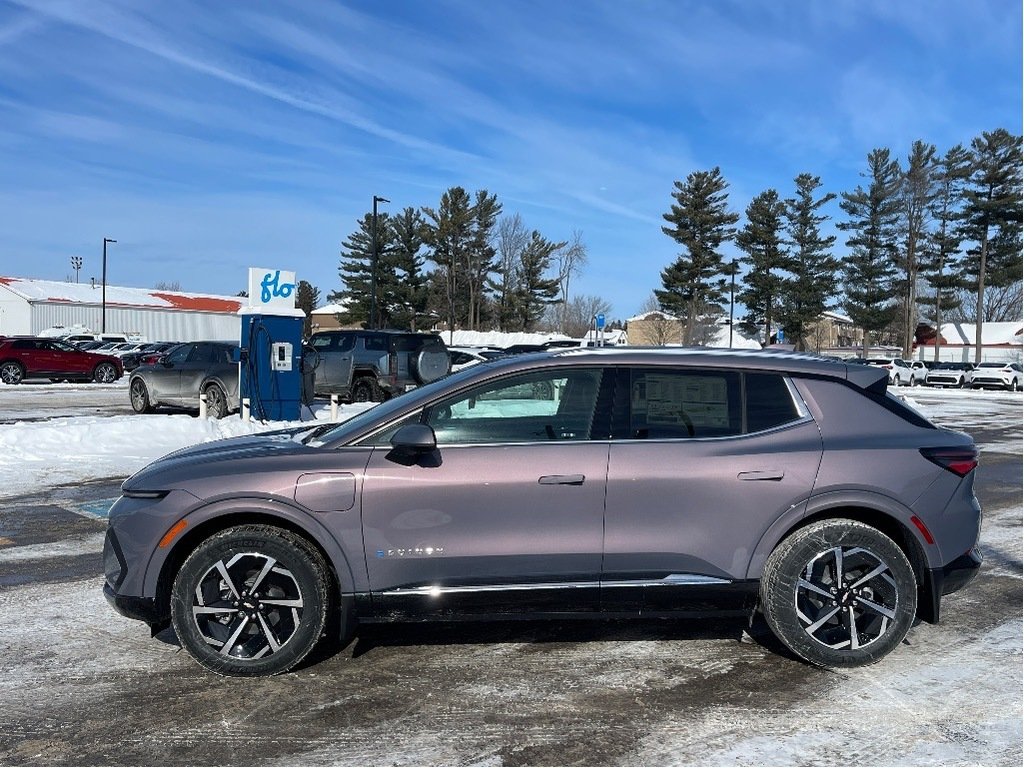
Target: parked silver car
{"points": [[186, 371], [596, 482]]}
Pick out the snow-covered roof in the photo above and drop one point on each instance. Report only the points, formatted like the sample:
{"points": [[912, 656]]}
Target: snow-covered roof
{"points": [[52, 291], [837, 317], [331, 309], [650, 315], [992, 334], [496, 338]]}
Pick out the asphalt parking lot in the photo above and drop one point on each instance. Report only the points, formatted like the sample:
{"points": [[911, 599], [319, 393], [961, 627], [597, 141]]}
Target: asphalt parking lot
{"points": [[81, 685]]}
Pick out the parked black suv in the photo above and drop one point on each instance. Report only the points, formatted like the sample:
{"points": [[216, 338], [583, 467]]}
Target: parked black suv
{"points": [[365, 366]]}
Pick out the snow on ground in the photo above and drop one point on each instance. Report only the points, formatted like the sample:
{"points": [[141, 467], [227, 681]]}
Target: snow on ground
{"points": [[58, 451]]}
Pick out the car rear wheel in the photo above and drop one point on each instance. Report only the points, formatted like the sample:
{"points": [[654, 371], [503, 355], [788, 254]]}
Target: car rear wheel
{"points": [[365, 390], [216, 402], [839, 593], [896, 380], [11, 373], [251, 601], [139, 396], [105, 373]]}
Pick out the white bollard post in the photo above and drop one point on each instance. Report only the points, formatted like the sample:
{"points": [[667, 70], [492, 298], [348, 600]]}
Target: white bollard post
{"points": [[202, 405], [334, 407], [245, 409]]}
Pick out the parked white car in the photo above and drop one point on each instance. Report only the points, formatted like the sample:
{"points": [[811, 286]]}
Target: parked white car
{"points": [[1005, 375], [950, 375], [919, 372], [899, 369], [463, 357]]}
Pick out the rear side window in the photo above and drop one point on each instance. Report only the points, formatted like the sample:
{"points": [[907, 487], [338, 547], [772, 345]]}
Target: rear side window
{"points": [[376, 344], [692, 403], [769, 402]]}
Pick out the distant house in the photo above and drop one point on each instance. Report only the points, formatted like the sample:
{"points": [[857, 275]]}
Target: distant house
{"points": [[28, 307], [661, 329], [1000, 342], [326, 318], [834, 334]]}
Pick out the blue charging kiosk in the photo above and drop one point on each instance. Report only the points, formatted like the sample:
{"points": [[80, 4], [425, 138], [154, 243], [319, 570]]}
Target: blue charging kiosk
{"points": [[270, 365]]}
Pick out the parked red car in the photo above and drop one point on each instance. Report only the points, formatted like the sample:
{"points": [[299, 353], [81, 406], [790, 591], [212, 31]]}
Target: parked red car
{"points": [[25, 357]]}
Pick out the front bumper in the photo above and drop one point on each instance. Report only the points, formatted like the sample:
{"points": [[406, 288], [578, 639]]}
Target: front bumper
{"points": [[138, 608], [946, 580]]}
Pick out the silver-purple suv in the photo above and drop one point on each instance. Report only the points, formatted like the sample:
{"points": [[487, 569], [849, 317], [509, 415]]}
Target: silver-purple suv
{"points": [[602, 483]]}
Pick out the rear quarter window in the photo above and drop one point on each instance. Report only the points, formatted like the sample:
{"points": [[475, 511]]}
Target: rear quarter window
{"points": [[769, 402]]}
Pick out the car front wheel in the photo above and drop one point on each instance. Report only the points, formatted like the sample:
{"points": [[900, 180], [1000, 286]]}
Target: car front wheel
{"points": [[105, 373], [11, 373], [251, 601], [839, 593]]}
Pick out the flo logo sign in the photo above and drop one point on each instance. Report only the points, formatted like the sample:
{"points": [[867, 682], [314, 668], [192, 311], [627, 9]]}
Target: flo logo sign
{"points": [[271, 288]]}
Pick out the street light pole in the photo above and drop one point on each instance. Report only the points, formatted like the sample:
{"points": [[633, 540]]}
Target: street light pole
{"points": [[373, 262], [103, 317], [76, 264]]}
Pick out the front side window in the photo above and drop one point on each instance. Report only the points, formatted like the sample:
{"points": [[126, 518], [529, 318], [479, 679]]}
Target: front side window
{"points": [[534, 407]]}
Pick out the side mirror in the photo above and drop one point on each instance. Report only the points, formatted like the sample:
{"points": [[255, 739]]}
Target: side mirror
{"points": [[236, 354], [417, 438]]}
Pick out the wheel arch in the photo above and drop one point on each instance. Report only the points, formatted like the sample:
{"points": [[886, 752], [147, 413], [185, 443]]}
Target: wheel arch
{"points": [[214, 518], [879, 514]]}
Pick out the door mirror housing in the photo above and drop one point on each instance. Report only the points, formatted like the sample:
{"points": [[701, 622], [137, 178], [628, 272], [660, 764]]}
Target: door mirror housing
{"points": [[418, 438]]}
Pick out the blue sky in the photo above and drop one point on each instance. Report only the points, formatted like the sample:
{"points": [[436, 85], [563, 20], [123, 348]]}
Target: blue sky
{"points": [[207, 137]]}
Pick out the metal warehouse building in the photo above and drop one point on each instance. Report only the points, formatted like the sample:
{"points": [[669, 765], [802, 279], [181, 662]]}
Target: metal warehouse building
{"points": [[28, 307]]}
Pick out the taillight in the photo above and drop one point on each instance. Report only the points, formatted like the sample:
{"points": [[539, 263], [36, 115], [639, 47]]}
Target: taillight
{"points": [[959, 461]]}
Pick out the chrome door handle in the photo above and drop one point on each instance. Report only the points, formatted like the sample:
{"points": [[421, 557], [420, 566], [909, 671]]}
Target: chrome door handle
{"points": [[764, 474], [561, 479]]}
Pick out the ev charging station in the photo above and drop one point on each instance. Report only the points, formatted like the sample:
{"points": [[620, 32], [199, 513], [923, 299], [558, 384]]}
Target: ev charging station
{"points": [[270, 364]]}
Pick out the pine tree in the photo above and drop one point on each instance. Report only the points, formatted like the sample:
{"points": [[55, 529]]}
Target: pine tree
{"points": [[307, 298], [354, 270], [700, 222], [761, 241], [941, 267], [534, 291], [993, 216], [481, 255], [870, 269], [408, 296], [917, 191], [811, 279], [449, 237]]}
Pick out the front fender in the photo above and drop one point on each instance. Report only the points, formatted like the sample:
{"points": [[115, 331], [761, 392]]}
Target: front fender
{"points": [[243, 509]]}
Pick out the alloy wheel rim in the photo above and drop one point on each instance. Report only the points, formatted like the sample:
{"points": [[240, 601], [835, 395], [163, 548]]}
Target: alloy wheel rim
{"points": [[846, 598], [106, 374], [138, 394], [247, 607], [10, 374]]}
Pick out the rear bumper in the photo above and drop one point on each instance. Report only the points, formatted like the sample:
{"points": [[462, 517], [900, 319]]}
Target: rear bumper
{"points": [[944, 581]]}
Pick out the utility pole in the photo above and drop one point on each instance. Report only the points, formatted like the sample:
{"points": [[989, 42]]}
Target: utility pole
{"points": [[373, 262], [732, 299], [103, 317], [76, 264]]}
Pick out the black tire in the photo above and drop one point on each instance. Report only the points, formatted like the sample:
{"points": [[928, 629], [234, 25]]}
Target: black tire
{"points": [[812, 610], [138, 393], [896, 380], [430, 364], [216, 402], [266, 597], [365, 390], [105, 373], [11, 373]]}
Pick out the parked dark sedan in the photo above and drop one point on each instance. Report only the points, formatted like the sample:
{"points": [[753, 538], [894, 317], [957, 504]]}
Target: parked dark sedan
{"points": [[597, 483], [188, 370], [27, 357]]}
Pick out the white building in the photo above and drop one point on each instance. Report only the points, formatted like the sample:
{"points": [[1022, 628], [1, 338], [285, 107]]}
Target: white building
{"points": [[28, 307]]}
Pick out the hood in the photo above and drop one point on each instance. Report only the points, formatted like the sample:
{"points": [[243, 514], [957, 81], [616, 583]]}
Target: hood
{"points": [[238, 456]]}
